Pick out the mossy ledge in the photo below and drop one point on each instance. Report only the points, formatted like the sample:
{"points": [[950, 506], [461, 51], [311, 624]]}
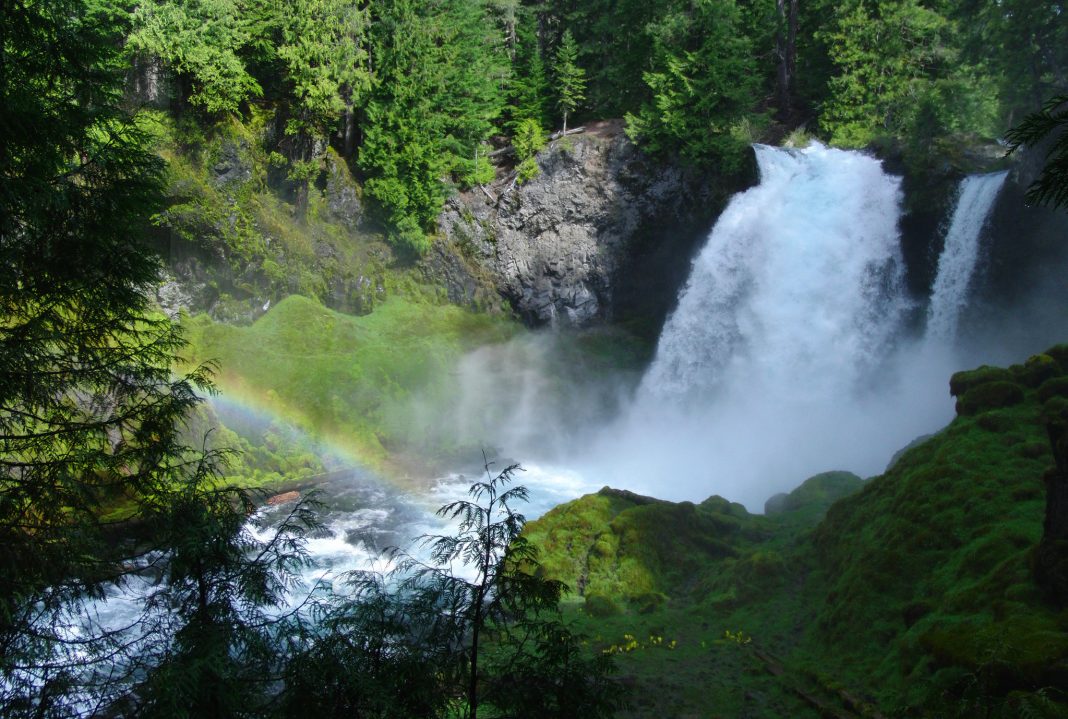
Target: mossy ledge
{"points": [[909, 594]]}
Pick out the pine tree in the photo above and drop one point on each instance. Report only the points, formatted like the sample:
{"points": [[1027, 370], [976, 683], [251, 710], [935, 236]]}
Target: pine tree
{"points": [[703, 84], [1049, 127], [221, 596], [91, 412], [529, 89], [438, 89], [202, 41], [885, 55], [570, 78]]}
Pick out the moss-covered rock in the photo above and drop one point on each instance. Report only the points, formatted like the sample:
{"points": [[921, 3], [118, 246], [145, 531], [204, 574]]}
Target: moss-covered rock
{"points": [[600, 606], [961, 382], [989, 395], [1054, 387], [816, 493], [1037, 369], [915, 595], [348, 378]]}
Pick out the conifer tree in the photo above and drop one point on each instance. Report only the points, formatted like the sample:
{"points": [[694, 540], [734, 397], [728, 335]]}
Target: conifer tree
{"points": [[570, 78], [222, 597], [703, 84], [1049, 127], [529, 88], [438, 89], [202, 41], [91, 411]]}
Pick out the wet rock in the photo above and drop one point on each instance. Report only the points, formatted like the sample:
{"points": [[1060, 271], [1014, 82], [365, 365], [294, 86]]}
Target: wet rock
{"points": [[559, 246], [283, 498], [343, 200], [232, 164]]}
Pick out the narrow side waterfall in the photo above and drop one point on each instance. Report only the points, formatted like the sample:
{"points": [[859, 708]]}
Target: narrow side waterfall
{"points": [[787, 354], [956, 265], [799, 287]]}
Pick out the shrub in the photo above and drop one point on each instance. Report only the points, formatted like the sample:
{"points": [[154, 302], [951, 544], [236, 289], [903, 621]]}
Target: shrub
{"points": [[648, 602], [1054, 387], [600, 606], [1038, 369]]}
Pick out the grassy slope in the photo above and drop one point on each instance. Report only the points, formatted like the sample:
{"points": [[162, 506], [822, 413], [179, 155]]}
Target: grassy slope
{"points": [[344, 377], [235, 235], [911, 596]]}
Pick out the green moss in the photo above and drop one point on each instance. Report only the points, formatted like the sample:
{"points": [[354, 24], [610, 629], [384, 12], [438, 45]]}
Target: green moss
{"points": [[961, 382], [344, 377], [989, 395], [1053, 387], [913, 596], [232, 209], [600, 606], [1040, 368], [817, 493]]}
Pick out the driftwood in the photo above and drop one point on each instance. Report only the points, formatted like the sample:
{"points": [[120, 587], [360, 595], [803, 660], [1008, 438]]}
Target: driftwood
{"points": [[283, 498], [572, 131], [853, 707], [555, 136]]}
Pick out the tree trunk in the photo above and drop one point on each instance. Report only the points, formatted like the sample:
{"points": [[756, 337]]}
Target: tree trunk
{"points": [[1051, 565], [349, 143], [472, 685], [786, 49]]}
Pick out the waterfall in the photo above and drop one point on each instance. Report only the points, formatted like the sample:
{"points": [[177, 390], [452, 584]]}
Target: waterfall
{"points": [[787, 354], [799, 287], [956, 265]]}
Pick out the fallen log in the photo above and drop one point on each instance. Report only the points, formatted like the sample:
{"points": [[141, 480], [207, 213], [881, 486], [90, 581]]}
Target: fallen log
{"points": [[554, 136]]}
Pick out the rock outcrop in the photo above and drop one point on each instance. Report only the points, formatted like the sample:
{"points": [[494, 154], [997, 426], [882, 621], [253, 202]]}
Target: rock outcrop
{"points": [[559, 246]]}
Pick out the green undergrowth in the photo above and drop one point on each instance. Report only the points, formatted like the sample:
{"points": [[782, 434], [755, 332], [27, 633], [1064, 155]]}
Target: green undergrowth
{"points": [[241, 233], [270, 458], [343, 378], [909, 594]]}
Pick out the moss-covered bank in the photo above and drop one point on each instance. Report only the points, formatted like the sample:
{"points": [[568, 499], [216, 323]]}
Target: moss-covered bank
{"points": [[913, 595], [342, 378]]}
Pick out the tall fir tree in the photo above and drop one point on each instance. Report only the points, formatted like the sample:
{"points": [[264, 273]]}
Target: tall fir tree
{"points": [[528, 91], [703, 85], [91, 411], [202, 42], [569, 77], [440, 74]]}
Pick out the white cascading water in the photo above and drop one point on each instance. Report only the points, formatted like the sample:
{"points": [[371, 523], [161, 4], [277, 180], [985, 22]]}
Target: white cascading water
{"points": [[799, 287], [786, 355], [956, 264]]}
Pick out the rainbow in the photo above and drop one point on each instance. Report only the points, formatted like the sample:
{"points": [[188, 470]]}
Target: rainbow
{"points": [[256, 407]]}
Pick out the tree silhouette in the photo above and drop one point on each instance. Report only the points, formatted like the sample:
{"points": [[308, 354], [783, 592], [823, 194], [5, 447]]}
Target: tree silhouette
{"points": [[1050, 124]]}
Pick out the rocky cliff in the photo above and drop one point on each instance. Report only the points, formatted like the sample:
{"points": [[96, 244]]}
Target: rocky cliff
{"points": [[602, 231]]}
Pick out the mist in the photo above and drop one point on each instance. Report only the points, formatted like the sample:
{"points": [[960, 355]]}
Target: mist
{"points": [[794, 349]]}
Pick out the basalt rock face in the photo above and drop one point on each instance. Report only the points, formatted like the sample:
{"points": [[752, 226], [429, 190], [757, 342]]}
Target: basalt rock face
{"points": [[1025, 250], [602, 231]]}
